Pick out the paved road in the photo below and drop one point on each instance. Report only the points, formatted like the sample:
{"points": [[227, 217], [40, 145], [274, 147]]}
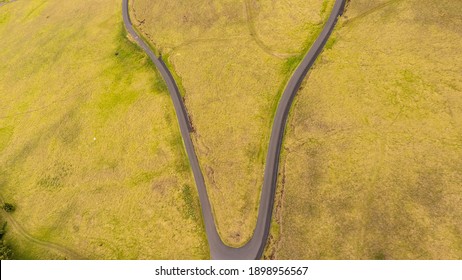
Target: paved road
{"points": [[253, 249]]}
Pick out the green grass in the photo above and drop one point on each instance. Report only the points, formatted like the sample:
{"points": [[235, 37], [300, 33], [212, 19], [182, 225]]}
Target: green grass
{"points": [[372, 152], [190, 208], [292, 62], [330, 43], [324, 7], [90, 150]]}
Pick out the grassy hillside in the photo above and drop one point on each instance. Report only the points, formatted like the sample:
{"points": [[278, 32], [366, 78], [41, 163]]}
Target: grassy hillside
{"points": [[373, 153], [231, 59], [90, 152]]}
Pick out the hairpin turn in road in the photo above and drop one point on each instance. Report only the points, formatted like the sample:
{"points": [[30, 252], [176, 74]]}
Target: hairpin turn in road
{"points": [[253, 249]]}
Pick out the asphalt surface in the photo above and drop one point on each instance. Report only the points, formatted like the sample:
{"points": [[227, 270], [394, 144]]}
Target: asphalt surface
{"points": [[253, 249]]}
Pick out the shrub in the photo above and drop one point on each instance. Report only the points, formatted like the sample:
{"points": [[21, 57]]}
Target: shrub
{"points": [[8, 207], [5, 251]]}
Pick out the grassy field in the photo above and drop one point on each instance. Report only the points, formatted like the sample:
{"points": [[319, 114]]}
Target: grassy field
{"points": [[231, 59], [372, 157], [90, 151]]}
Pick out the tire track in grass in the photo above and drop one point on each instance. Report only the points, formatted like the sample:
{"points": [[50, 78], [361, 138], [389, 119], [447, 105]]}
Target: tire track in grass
{"points": [[46, 244], [253, 32], [370, 11]]}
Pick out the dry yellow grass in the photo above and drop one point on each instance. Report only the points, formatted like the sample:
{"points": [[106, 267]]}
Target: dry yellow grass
{"points": [[373, 154], [90, 151], [231, 59]]}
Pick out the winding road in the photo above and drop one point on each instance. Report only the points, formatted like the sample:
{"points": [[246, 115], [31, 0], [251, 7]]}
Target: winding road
{"points": [[253, 249]]}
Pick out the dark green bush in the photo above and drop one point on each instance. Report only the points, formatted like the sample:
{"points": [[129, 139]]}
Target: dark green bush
{"points": [[5, 251], [8, 207]]}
